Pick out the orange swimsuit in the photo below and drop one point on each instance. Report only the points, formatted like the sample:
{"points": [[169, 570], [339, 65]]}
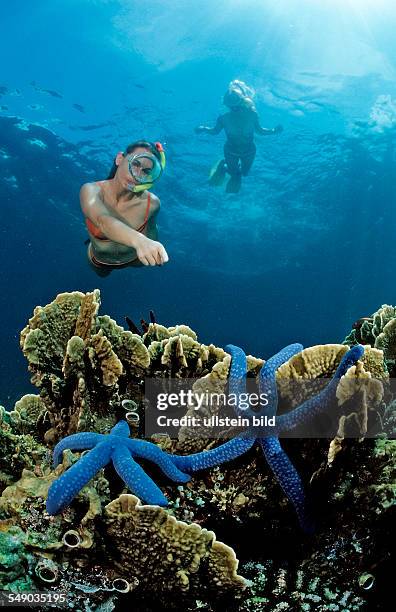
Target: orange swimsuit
{"points": [[99, 235]]}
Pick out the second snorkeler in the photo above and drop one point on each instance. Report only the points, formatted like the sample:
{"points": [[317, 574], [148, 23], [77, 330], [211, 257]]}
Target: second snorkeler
{"points": [[120, 212], [240, 124]]}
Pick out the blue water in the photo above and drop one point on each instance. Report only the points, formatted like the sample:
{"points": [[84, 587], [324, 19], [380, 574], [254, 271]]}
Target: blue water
{"points": [[305, 248]]}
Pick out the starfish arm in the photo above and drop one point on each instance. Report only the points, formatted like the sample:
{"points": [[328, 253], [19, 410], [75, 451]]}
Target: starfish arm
{"points": [[267, 380], [349, 359], [63, 490], [78, 441], [315, 405], [288, 478], [206, 459], [136, 479], [237, 376], [121, 429], [148, 450]]}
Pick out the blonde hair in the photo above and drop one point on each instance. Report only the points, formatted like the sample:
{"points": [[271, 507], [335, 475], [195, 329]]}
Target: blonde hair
{"points": [[240, 92]]}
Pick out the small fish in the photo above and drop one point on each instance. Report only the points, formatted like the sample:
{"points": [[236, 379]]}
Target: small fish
{"points": [[79, 108], [88, 128], [139, 86], [3, 107], [358, 324], [3, 90], [52, 93]]}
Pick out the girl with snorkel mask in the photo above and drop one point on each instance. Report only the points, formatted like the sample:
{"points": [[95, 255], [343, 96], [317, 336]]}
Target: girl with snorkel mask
{"points": [[120, 212], [240, 124]]}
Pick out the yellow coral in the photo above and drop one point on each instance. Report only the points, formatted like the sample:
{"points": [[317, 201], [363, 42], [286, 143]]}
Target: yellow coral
{"points": [[167, 555], [320, 360], [133, 353], [86, 320], [159, 332], [110, 365], [373, 361], [73, 362], [44, 339], [306, 373], [366, 393]]}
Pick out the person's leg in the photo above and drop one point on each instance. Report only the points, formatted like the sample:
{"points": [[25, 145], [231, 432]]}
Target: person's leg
{"points": [[234, 183], [233, 168], [232, 161], [247, 160]]}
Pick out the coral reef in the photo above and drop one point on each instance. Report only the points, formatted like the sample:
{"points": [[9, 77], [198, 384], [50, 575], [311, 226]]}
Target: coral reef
{"points": [[108, 551], [174, 557], [379, 331], [277, 459]]}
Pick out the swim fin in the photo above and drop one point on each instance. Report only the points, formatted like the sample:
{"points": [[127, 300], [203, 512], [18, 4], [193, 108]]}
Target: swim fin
{"points": [[217, 174], [234, 184]]}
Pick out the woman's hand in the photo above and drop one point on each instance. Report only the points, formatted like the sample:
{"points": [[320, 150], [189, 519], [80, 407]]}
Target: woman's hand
{"points": [[199, 129], [277, 129], [150, 252]]}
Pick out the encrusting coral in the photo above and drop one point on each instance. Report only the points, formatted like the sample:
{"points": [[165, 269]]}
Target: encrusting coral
{"points": [[89, 372]]}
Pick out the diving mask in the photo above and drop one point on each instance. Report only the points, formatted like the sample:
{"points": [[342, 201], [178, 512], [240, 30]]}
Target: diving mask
{"points": [[146, 168]]}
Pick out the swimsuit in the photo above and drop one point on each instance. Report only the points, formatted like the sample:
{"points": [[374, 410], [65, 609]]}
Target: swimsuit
{"points": [[99, 235]]}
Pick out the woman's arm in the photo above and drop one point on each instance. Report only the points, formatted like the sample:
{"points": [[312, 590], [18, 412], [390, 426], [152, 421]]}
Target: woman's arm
{"points": [[114, 229], [148, 251], [214, 130], [265, 131]]}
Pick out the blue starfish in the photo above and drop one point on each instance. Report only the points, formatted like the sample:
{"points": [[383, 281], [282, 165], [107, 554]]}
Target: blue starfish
{"points": [[282, 467], [118, 448]]}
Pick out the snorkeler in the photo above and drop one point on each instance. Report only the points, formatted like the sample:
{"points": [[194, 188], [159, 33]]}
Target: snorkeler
{"points": [[240, 124], [120, 212]]}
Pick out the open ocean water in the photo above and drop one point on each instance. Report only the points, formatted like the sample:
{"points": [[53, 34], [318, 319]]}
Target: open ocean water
{"points": [[303, 250]]}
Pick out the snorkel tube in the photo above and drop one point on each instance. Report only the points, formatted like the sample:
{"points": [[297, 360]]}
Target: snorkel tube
{"points": [[162, 161]]}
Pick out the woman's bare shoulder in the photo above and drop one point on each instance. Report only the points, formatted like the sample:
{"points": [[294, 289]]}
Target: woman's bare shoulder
{"points": [[90, 189], [155, 202], [90, 195]]}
